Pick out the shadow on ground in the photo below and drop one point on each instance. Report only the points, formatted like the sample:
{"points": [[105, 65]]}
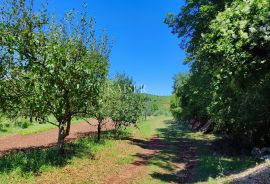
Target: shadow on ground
{"points": [[181, 156], [32, 161]]}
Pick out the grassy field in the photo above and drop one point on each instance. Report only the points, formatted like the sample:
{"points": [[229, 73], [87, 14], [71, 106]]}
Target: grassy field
{"points": [[212, 167], [89, 162], [163, 103], [96, 160], [23, 126], [86, 161]]}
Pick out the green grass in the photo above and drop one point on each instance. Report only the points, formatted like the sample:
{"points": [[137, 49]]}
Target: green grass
{"points": [[81, 154], [26, 166], [209, 169], [163, 102], [29, 165], [212, 167], [149, 128], [23, 126]]}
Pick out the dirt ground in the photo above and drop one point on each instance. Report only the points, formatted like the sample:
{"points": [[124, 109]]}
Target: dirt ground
{"points": [[133, 172], [138, 168], [183, 161], [46, 138]]}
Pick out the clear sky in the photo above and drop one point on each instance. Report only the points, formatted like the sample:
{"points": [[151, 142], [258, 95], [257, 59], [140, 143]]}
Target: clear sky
{"points": [[144, 47]]}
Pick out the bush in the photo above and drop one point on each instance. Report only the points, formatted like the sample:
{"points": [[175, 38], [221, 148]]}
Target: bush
{"points": [[22, 124]]}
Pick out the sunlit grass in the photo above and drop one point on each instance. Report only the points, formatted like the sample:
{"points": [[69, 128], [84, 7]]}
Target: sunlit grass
{"points": [[149, 128], [23, 126], [92, 161], [210, 168], [26, 166]]}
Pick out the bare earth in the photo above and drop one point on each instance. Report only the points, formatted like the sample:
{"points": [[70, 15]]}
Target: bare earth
{"points": [[133, 172], [139, 167], [45, 139]]}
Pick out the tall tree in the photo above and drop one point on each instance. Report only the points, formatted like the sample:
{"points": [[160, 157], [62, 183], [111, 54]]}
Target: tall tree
{"points": [[237, 53], [62, 71], [229, 82], [193, 21]]}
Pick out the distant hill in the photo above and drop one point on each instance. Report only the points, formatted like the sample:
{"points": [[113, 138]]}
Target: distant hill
{"points": [[162, 102]]}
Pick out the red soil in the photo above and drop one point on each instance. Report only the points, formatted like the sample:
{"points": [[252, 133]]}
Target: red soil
{"points": [[46, 138], [137, 168]]}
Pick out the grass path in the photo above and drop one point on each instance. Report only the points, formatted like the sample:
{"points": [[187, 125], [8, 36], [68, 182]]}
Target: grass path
{"points": [[173, 154], [158, 152], [163, 157]]}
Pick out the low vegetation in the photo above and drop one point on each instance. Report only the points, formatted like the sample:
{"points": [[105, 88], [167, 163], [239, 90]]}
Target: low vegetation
{"points": [[184, 145]]}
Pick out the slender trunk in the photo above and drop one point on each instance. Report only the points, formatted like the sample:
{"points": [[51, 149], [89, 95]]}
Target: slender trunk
{"points": [[99, 130], [117, 126], [68, 127], [145, 116], [62, 134], [61, 137]]}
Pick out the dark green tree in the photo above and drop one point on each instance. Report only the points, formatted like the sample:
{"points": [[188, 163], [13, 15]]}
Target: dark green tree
{"points": [[229, 52]]}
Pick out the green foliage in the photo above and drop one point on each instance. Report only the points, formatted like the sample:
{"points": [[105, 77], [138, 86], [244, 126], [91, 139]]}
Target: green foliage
{"points": [[157, 105], [58, 67], [53, 67], [192, 21], [127, 103], [229, 80], [150, 106], [175, 107]]}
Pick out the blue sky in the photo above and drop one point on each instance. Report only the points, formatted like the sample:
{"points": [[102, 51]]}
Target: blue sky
{"points": [[143, 46]]}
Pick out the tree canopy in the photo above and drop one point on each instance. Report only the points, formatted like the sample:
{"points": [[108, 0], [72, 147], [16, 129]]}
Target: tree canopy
{"points": [[229, 78], [53, 67], [127, 102]]}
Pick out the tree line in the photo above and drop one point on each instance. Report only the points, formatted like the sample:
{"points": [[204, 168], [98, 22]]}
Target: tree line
{"points": [[227, 44], [59, 66]]}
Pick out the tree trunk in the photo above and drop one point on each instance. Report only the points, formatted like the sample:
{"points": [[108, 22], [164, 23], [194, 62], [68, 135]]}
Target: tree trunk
{"points": [[145, 116], [99, 130], [117, 126], [61, 137], [68, 127], [62, 134]]}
